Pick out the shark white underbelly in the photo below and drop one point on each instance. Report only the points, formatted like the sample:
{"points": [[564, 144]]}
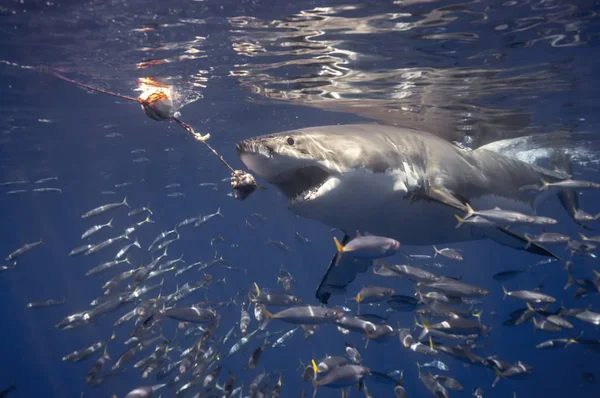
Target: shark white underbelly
{"points": [[368, 202]]}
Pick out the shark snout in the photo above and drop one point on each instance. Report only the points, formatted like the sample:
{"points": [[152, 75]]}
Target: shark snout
{"points": [[253, 147], [256, 157]]}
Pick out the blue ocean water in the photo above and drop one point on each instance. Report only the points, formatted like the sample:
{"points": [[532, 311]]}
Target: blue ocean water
{"points": [[473, 72]]}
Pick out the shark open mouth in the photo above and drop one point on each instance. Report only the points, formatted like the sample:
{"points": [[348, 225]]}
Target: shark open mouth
{"points": [[301, 184]]}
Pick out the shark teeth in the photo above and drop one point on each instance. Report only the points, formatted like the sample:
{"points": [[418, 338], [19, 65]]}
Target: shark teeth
{"points": [[305, 196], [315, 192]]}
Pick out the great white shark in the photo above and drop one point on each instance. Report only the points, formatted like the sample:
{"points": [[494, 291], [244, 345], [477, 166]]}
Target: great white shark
{"points": [[395, 182]]}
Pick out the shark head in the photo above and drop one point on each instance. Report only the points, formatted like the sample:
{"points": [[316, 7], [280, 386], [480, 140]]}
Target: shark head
{"points": [[303, 166]]}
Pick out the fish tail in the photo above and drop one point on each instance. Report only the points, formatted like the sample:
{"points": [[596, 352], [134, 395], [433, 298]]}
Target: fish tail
{"points": [[470, 210], [315, 369], [582, 236], [431, 345], [338, 245], [529, 241], [545, 185], [257, 289], [436, 251], [496, 380], [268, 317], [580, 335], [460, 221], [569, 280], [423, 333], [106, 352], [315, 383], [125, 202], [498, 376], [425, 323], [504, 292], [251, 299]]}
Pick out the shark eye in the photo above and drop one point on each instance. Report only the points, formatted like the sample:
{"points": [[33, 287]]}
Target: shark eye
{"points": [[290, 141]]}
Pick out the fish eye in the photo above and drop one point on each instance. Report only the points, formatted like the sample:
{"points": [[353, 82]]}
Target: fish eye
{"points": [[290, 141]]}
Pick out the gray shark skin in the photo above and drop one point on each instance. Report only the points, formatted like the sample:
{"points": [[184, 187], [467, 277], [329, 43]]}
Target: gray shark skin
{"points": [[395, 182], [365, 178]]}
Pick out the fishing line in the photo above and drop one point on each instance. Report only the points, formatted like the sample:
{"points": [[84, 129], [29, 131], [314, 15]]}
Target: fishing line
{"points": [[158, 105]]}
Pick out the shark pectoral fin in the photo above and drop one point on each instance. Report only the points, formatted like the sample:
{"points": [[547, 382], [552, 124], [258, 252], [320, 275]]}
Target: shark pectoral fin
{"points": [[340, 272], [506, 237], [440, 195], [445, 197]]}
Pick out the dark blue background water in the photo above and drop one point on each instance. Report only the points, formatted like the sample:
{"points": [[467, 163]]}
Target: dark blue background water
{"points": [[50, 128]]}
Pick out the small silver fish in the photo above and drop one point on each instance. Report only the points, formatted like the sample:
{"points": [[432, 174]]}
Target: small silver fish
{"points": [[96, 228], [435, 364], [280, 245], [43, 180], [105, 208], [121, 253], [45, 303], [449, 253], [23, 249], [301, 238], [573, 185], [141, 160], [41, 190], [548, 238], [368, 247], [16, 191]]}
